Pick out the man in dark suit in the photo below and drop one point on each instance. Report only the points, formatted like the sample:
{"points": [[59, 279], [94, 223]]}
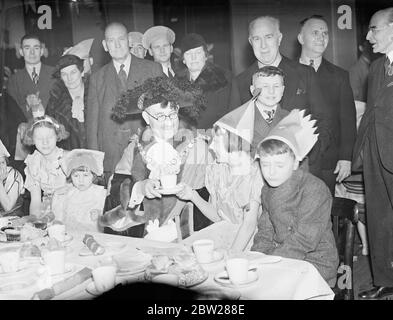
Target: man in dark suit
{"points": [[158, 40], [314, 38], [34, 78], [373, 152], [125, 71], [301, 90]]}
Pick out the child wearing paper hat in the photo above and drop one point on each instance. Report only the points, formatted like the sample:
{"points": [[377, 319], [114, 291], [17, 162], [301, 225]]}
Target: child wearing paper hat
{"points": [[11, 185], [81, 203], [294, 201]]}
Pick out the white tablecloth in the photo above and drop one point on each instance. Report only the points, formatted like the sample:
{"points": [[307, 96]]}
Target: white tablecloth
{"points": [[286, 279]]}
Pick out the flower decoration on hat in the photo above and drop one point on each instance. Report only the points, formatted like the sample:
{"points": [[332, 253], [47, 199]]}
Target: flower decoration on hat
{"points": [[77, 158], [297, 131], [178, 92], [3, 150]]}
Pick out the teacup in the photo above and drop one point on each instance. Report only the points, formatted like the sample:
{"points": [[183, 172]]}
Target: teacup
{"points": [[237, 269], [104, 277], [9, 261], [204, 250], [57, 231], [168, 181], [55, 260]]}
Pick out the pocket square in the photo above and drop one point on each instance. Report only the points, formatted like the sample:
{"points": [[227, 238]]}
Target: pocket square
{"points": [[300, 91]]}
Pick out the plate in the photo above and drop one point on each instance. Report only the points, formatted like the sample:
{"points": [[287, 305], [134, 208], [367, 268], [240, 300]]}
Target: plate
{"points": [[223, 279], [168, 191], [91, 288], [268, 259], [68, 269], [129, 265], [218, 255]]}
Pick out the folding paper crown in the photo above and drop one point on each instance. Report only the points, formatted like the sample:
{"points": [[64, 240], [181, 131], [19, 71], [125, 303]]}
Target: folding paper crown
{"points": [[297, 131], [91, 159], [241, 120], [3, 150], [81, 50]]}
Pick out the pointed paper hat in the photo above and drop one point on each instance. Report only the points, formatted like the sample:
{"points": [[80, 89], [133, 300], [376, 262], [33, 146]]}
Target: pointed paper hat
{"points": [[81, 50], [297, 131], [76, 158], [241, 120], [3, 150]]}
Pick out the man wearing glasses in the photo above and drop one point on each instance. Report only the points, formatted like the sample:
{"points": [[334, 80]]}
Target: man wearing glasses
{"points": [[373, 154]]}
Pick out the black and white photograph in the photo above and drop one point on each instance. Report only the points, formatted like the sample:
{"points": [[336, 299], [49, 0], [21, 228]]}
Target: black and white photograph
{"points": [[168, 152]]}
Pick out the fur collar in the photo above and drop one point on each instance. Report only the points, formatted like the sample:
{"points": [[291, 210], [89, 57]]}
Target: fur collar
{"points": [[212, 77]]}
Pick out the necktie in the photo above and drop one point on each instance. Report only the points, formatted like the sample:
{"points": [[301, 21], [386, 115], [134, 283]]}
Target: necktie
{"points": [[388, 67], [34, 76], [123, 77], [270, 115]]}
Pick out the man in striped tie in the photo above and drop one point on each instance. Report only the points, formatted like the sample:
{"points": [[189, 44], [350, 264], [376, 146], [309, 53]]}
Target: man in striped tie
{"points": [[158, 40]]}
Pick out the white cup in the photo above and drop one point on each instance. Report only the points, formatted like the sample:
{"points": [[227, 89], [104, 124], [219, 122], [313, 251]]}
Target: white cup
{"points": [[104, 277], [10, 261], [237, 269], [168, 181], [55, 260], [204, 250], [57, 231], [4, 222]]}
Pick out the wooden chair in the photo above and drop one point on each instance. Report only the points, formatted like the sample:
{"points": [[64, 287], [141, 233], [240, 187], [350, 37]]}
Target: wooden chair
{"points": [[348, 211]]}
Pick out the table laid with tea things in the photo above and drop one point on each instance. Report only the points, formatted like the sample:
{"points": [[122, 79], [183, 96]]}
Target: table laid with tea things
{"points": [[52, 263]]}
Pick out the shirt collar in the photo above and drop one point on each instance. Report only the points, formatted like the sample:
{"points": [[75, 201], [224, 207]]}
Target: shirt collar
{"points": [[126, 63], [30, 67], [274, 64], [306, 60], [390, 56], [166, 69], [262, 108]]}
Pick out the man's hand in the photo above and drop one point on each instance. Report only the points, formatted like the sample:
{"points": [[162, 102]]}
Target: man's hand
{"points": [[343, 170], [186, 193], [150, 188]]}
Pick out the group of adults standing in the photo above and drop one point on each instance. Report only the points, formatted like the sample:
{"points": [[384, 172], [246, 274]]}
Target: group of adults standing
{"points": [[83, 102]]}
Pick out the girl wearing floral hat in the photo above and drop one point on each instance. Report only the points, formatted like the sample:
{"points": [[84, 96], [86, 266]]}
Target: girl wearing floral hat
{"points": [[82, 203]]}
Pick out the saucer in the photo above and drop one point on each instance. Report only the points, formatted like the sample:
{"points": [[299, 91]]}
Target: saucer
{"points": [[218, 255], [91, 288], [171, 190], [223, 279], [268, 259]]}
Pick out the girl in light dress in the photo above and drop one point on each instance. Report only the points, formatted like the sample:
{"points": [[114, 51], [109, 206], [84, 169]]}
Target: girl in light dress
{"points": [[80, 204], [234, 183], [11, 186], [43, 167]]}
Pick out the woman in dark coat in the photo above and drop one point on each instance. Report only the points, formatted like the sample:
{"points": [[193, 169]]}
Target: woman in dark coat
{"points": [[214, 81], [68, 100]]}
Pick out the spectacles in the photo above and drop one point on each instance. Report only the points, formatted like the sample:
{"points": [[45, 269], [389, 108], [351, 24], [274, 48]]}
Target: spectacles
{"points": [[375, 29], [162, 117]]}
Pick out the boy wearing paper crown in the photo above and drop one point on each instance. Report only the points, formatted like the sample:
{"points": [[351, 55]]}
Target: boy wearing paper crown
{"points": [[161, 149], [80, 204], [295, 222]]}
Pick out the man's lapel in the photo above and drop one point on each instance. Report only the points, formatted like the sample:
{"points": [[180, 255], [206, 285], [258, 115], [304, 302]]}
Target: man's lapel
{"points": [[112, 83]]}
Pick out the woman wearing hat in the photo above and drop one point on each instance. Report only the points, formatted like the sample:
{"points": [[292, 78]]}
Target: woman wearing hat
{"points": [[68, 100], [160, 150], [214, 81], [11, 186]]}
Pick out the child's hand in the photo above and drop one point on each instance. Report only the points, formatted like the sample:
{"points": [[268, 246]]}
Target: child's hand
{"points": [[150, 188], [186, 193]]}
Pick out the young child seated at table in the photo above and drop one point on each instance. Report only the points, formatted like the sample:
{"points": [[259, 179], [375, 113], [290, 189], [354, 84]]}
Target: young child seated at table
{"points": [[295, 222], [80, 204], [43, 170], [11, 186]]}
